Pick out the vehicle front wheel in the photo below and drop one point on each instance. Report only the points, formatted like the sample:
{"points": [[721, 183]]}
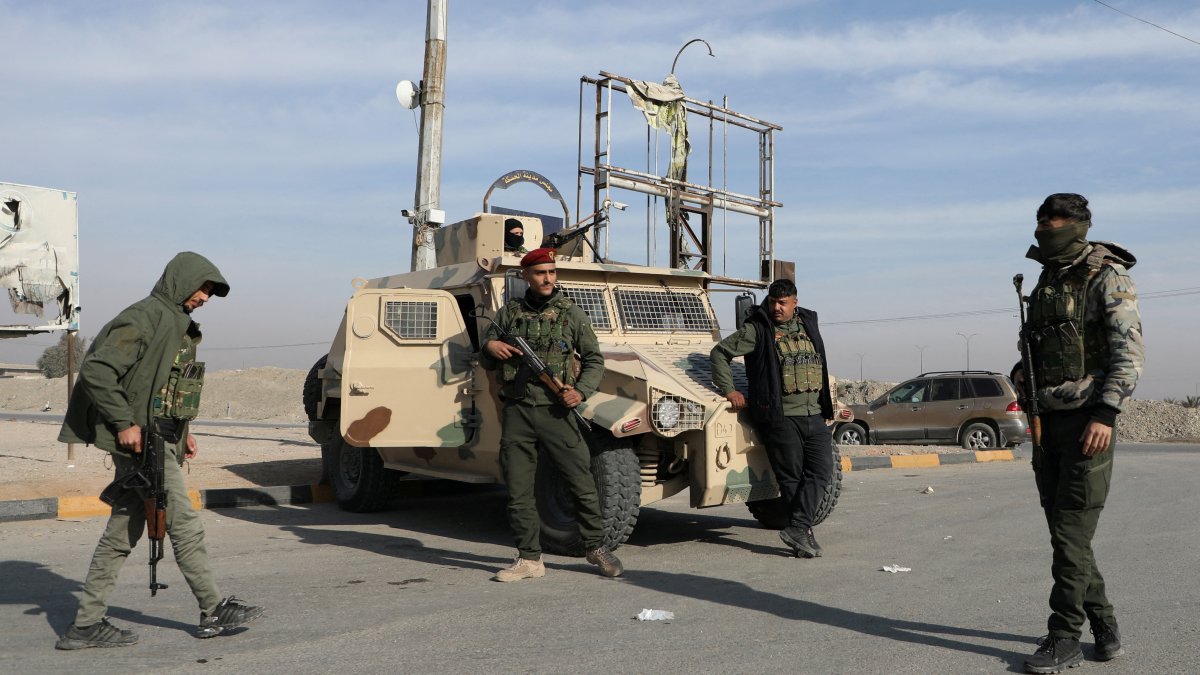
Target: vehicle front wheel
{"points": [[978, 436], [850, 434], [618, 483], [360, 482], [775, 514]]}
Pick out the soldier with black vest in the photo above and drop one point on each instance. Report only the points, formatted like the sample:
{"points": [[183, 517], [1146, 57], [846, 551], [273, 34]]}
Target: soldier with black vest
{"points": [[790, 402], [1085, 338], [535, 416]]}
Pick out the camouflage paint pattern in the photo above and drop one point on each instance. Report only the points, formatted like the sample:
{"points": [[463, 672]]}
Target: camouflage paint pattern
{"points": [[445, 410]]}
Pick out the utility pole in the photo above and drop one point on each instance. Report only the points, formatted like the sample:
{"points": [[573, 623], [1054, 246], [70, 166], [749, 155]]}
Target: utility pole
{"points": [[921, 348], [428, 214], [860, 370], [968, 339]]}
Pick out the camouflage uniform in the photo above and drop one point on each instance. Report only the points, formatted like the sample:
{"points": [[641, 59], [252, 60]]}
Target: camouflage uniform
{"points": [[1086, 341], [533, 418]]}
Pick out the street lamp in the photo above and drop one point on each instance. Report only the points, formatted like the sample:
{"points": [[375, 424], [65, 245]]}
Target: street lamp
{"points": [[860, 360], [921, 348], [968, 339]]}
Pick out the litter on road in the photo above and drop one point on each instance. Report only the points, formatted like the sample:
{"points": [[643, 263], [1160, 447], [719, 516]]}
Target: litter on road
{"points": [[895, 568], [655, 615]]}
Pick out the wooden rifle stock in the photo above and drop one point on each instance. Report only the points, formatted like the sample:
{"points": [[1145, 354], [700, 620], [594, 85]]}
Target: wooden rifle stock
{"points": [[543, 372]]}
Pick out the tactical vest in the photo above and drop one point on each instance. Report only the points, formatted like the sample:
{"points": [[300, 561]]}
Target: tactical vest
{"points": [[179, 399], [1064, 343], [547, 332], [799, 362]]}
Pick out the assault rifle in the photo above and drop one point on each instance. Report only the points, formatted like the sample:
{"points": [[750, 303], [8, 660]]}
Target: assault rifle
{"points": [[148, 481], [1030, 385], [538, 368], [153, 457]]}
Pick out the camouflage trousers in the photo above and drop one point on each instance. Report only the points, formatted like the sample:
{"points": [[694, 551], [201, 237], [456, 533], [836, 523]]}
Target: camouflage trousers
{"points": [[125, 528], [1072, 489], [528, 428]]}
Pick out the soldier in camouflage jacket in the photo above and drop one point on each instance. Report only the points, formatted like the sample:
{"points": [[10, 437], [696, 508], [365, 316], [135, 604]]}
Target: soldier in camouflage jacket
{"points": [[1085, 337]]}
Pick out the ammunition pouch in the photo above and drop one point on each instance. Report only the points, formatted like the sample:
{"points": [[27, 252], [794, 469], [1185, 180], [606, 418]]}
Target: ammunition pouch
{"points": [[799, 364], [1062, 349]]}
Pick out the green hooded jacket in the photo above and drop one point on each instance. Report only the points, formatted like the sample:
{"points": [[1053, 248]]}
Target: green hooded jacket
{"points": [[131, 358]]}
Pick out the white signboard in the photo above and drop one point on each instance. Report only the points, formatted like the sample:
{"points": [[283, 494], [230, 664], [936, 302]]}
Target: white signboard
{"points": [[39, 257]]}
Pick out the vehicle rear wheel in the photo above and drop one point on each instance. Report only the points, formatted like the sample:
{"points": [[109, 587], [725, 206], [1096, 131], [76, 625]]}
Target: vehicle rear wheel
{"points": [[774, 514], [311, 393], [618, 483], [360, 482], [850, 434], [978, 436]]}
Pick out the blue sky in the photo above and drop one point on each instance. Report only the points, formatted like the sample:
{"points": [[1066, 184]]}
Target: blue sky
{"points": [[918, 140]]}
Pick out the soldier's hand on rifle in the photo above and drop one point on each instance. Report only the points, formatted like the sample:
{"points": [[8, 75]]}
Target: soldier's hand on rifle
{"points": [[570, 396], [736, 400], [1096, 438], [192, 447], [131, 439], [501, 350]]}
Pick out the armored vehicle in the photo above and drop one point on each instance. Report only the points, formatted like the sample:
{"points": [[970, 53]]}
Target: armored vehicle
{"points": [[402, 389]]}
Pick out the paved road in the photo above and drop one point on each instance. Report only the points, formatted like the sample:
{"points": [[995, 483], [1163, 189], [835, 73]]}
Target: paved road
{"points": [[408, 590], [58, 417]]}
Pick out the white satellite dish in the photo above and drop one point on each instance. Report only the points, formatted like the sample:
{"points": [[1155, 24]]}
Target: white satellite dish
{"points": [[407, 94]]}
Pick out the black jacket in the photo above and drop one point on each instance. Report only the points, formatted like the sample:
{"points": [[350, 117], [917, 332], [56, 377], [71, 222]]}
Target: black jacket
{"points": [[762, 367]]}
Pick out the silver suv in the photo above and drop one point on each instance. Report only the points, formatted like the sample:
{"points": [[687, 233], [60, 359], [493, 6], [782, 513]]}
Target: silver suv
{"points": [[974, 408]]}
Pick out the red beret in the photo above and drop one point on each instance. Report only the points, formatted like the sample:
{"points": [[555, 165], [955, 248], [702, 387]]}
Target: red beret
{"points": [[538, 256]]}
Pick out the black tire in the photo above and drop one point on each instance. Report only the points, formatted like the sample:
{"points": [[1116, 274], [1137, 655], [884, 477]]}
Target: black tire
{"points": [[851, 434], [979, 436], [360, 483], [774, 514], [311, 394], [618, 482]]}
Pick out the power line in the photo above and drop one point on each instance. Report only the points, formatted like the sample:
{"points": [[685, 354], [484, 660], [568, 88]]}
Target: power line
{"points": [[1148, 23], [1172, 293], [298, 344]]}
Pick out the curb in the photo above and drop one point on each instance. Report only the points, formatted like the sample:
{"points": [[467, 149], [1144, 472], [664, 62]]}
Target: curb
{"points": [[214, 498], [49, 508], [926, 461]]}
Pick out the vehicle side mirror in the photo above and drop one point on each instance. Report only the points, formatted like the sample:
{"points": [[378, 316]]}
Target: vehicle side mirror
{"points": [[514, 285], [743, 304]]}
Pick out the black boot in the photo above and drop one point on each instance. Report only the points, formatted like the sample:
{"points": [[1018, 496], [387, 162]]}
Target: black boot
{"points": [[802, 541], [1108, 639], [1054, 656]]}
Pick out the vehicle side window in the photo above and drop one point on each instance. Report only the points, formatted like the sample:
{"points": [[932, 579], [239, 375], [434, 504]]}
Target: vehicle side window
{"points": [[909, 392], [986, 387], [944, 389]]}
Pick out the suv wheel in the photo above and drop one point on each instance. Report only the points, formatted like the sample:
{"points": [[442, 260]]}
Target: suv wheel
{"points": [[850, 434], [978, 436]]}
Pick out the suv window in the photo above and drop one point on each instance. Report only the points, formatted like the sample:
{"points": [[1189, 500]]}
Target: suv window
{"points": [[909, 392], [945, 389], [986, 387]]}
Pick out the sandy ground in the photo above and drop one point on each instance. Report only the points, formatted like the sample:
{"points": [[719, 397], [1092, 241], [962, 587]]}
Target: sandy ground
{"points": [[34, 464]]}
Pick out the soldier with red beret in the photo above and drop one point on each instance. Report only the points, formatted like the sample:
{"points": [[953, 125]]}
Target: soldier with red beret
{"points": [[535, 417]]}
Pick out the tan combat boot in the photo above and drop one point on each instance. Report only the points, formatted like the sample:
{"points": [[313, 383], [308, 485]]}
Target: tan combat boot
{"points": [[521, 569], [609, 565]]}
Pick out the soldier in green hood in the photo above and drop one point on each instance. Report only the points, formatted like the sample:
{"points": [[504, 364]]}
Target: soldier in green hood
{"points": [[1085, 339], [141, 370]]}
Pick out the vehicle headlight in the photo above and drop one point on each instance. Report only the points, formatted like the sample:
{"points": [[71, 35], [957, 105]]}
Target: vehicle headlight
{"points": [[671, 414], [666, 413]]}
